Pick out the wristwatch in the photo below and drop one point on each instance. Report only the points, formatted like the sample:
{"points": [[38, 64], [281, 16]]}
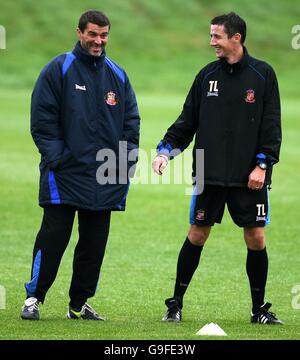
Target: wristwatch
{"points": [[263, 165]]}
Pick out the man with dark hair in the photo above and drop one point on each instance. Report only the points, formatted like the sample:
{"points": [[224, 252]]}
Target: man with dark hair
{"points": [[82, 104], [232, 24], [233, 108], [93, 17]]}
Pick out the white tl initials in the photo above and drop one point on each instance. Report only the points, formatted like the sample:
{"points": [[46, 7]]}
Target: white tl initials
{"points": [[261, 210], [213, 86]]}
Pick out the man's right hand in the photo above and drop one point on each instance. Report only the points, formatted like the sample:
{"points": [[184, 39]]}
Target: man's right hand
{"points": [[159, 163]]}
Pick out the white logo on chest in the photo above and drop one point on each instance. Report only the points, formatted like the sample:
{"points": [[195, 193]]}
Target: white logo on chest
{"points": [[80, 87], [213, 88]]}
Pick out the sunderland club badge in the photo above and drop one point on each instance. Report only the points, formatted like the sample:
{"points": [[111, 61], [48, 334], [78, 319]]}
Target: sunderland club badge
{"points": [[250, 96], [111, 99]]}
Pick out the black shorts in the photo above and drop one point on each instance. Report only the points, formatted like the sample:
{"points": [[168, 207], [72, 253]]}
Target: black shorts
{"points": [[247, 208]]}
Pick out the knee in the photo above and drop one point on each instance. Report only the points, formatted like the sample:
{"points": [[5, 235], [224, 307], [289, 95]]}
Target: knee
{"points": [[255, 238], [198, 235]]}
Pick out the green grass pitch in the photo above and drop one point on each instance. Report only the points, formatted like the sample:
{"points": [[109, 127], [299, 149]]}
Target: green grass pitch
{"points": [[139, 267]]}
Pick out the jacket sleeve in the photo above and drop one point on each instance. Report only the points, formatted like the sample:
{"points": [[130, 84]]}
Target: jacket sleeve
{"points": [[46, 127], [270, 131], [180, 134], [131, 127]]}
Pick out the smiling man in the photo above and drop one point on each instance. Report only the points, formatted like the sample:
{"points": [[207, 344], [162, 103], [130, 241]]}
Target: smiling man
{"points": [[82, 103], [93, 38], [233, 109]]}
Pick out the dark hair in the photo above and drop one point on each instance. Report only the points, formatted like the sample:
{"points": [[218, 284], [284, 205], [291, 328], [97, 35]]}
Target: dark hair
{"points": [[94, 17], [232, 24]]}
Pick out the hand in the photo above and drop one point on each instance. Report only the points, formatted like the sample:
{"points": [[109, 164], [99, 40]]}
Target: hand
{"points": [[160, 162], [256, 179]]}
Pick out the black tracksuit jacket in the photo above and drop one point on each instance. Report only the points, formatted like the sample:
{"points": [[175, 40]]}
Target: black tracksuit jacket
{"points": [[234, 113]]}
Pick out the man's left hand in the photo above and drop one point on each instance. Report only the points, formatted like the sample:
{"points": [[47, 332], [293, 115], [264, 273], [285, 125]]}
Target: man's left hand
{"points": [[256, 178]]}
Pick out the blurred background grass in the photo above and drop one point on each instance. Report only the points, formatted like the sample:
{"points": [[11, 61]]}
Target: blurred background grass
{"points": [[161, 44]]}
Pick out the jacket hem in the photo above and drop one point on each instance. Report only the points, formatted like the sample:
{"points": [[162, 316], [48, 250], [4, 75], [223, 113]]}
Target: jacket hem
{"points": [[82, 206], [231, 184]]}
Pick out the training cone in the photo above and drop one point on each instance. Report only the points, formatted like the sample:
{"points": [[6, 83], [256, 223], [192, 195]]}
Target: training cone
{"points": [[211, 329]]}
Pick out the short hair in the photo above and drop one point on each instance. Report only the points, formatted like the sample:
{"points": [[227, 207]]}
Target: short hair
{"points": [[94, 17], [233, 24]]}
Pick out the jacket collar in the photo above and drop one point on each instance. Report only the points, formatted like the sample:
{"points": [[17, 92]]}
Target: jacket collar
{"points": [[84, 56], [236, 67]]}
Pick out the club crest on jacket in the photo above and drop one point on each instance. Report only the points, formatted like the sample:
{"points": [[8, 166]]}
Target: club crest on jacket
{"points": [[250, 96], [111, 99]]}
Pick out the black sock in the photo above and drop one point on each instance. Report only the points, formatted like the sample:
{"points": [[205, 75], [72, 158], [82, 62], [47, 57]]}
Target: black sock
{"points": [[188, 261], [257, 271]]}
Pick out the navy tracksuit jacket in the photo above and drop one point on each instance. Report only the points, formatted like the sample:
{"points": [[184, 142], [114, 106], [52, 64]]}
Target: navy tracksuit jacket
{"points": [[82, 104]]}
